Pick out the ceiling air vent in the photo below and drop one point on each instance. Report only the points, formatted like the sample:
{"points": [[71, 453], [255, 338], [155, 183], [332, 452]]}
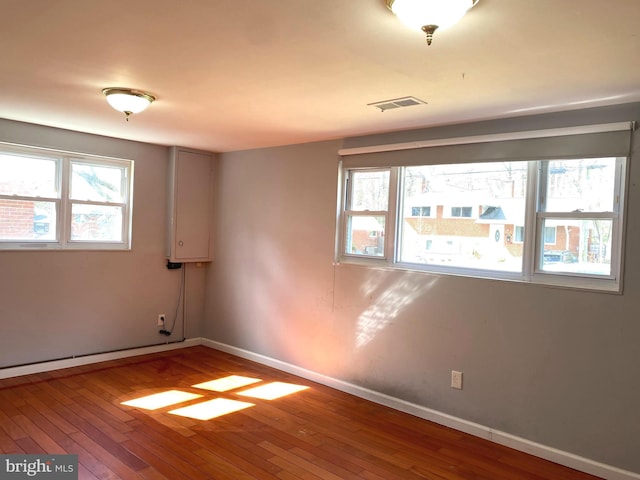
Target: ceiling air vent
{"points": [[397, 103]]}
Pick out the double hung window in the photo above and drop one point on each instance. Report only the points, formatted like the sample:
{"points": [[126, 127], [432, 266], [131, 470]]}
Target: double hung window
{"points": [[556, 219], [367, 212], [579, 216], [57, 200]]}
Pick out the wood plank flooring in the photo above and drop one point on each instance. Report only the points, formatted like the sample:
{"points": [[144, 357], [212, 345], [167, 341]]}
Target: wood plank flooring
{"points": [[317, 433]]}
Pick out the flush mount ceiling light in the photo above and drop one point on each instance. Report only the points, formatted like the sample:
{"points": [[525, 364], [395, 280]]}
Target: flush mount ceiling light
{"points": [[127, 100], [429, 15]]}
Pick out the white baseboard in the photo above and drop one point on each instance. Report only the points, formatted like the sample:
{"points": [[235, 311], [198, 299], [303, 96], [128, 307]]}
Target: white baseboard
{"points": [[558, 456], [99, 357], [548, 453]]}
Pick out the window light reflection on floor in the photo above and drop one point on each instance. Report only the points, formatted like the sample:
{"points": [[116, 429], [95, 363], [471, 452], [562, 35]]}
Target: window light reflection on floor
{"points": [[211, 409], [227, 383], [272, 391], [160, 400]]}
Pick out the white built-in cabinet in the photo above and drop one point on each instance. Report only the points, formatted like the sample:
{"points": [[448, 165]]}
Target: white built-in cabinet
{"points": [[190, 206]]}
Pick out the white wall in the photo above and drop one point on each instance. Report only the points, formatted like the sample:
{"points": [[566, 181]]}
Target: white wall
{"points": [[57, 304], [555, 366]]}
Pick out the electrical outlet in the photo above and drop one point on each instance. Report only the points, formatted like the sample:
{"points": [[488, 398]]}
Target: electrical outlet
{"points": [[161, 318], [456, 379]]}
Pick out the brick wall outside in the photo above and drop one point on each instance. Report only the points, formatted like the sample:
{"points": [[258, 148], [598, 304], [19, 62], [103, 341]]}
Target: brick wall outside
{"points": [[16, 219]]}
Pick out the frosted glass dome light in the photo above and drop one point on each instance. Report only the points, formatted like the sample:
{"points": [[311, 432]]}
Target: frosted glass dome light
{"points": [[429, 15], [128, 101]]}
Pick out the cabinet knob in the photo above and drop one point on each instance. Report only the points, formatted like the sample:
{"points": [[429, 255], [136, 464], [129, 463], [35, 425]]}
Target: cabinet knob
{"points": [[180, 243]]}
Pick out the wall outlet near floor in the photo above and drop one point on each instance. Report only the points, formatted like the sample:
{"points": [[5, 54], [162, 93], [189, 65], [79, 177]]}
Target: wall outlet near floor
{"points": [[456, 379], [161, 318]]}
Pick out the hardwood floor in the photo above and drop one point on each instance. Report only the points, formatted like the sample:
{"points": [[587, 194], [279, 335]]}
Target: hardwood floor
{"points": [[317, 433]]}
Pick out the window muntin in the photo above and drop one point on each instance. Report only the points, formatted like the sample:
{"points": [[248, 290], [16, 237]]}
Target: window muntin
{"points": [[51, 200], [514, 202]]}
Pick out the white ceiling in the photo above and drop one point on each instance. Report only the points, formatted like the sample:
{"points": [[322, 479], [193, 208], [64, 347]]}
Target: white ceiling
{"points": [[239, 74]]}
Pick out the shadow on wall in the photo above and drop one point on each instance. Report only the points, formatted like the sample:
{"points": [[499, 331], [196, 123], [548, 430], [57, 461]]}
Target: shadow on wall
{"points": [[390, 301]]}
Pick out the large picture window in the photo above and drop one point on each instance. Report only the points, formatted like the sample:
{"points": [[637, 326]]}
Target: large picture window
{"points": [[556, 221], [56, 200], [470, 236]]}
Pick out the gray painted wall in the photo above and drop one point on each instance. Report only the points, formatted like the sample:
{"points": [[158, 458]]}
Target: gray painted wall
{"points": [[57, 304], [555, 366]]}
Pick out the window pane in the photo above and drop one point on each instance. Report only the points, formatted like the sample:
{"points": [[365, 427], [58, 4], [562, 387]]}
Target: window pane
{"points": [[369, 190], [454, 235], [96, 183], [581, 246], [96, 222], [549, 234], [420, 211], [27, 176], [365, 235], [27, 220], [585, 185], [462, 212], [518, 235]]}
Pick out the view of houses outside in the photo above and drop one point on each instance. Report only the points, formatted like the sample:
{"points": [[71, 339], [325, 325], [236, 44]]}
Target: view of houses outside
{"points": [[369, 197], [29, 197], [473, 215], [464, 215], [22, 181]]}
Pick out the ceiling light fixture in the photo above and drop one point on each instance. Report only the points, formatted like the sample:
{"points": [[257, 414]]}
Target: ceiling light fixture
{"points": [[429, 15], [127, 100]]}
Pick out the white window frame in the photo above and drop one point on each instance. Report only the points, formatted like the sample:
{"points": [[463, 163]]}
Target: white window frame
{"points": [[347, 213], [533, 244], [64, 202]]}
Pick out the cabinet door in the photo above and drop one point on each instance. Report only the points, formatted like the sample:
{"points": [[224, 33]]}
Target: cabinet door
{"points": [[192, 206]]}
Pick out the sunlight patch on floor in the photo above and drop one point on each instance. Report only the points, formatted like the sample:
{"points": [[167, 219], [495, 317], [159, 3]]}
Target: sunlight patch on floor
{"points": [[208, 409], [211, 409], [227, 383], [161, 400], [272, 390]]}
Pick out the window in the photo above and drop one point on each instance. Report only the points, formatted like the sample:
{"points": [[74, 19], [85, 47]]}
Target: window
{"points": [[367, 204], [420, 211], [456, 238], [461, 212], [578, 210], [549, 235], [57, 200], [555, 220]]}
